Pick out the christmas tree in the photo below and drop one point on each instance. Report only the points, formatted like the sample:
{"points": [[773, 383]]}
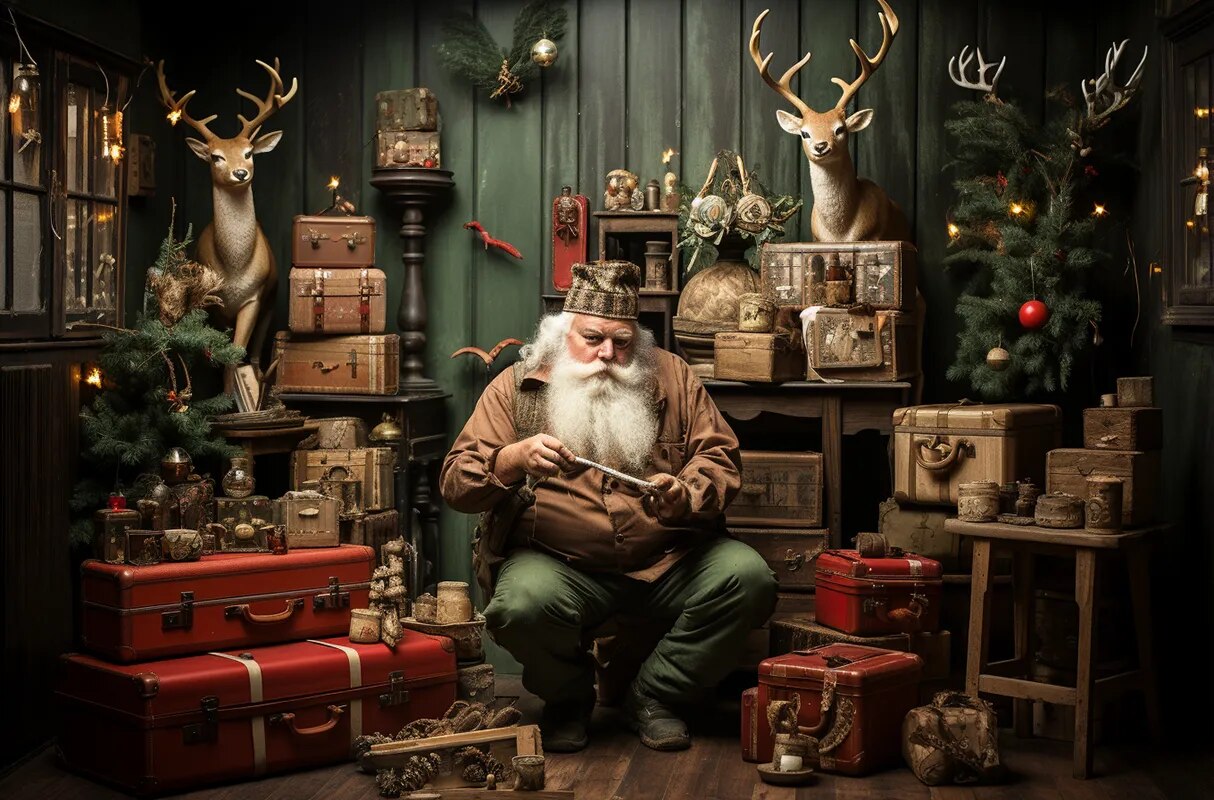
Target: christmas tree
{"points": [[1026, 215], [147, 404]]}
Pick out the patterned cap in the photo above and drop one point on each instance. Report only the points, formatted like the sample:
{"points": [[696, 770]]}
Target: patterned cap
{"points": [[604, 289]]}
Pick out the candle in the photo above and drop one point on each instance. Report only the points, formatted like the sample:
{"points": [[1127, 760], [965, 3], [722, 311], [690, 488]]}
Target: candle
{"points": [[790, 763]]}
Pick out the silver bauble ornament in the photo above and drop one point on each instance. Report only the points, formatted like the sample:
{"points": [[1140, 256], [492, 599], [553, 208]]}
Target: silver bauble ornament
{"points": [[544, 52], [997, 359]]}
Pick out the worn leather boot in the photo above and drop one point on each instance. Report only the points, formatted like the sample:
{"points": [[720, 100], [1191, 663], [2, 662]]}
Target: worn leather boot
{"points": [[563, 726], [657, 725]]}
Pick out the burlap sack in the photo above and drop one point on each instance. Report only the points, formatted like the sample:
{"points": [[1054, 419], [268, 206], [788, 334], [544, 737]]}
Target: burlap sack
{"points": [[953, 740]]}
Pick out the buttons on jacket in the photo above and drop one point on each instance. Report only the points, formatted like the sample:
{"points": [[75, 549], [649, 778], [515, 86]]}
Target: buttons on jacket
{"points": [[619, 537]]}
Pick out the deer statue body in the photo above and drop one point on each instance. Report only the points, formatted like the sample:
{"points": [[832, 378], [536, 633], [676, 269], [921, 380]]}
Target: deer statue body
{"points": [[846, 208], [234, 244]]}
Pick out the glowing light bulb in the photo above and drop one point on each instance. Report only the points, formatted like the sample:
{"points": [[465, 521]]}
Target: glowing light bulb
{"points": [[1099, 210], [334, 182], [667, 154], [1016, 208], [94, 377], [174, 116], [953, 230]]}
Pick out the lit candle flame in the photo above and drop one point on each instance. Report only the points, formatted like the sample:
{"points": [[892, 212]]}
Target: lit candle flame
{"points": [[1099, 210], [334, 182], [14, 103], [116, 152], [174, 116], [1156, 269], [94, 377], [667, 154]]}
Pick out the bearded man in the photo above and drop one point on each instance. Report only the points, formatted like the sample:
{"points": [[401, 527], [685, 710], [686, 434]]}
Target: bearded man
{"points": [[568, 547]]}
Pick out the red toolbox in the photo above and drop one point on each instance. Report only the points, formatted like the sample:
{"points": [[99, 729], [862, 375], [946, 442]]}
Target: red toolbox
{"points": [[224, 600], [853, 700], [875, 596], [182, 723]]}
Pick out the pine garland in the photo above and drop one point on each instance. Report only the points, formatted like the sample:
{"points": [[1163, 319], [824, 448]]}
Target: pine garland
{"points": [[470, 50], [140, 415], [1025, 216]]}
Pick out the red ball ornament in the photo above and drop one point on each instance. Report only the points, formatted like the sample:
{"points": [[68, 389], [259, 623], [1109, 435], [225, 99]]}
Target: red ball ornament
{"points": [[1034, 314]]}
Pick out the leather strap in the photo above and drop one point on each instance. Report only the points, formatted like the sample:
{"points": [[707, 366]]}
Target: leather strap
{"points": [[318, 301], [356, 680], [258, 722], [364, 302]]}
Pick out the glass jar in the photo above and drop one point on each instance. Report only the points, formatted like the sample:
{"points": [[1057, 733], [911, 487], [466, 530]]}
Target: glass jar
{"points": [[238, 481]]}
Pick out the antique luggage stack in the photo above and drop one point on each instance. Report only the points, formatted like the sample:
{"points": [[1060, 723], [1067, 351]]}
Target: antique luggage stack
{"points": [[778, 512], [336, 342], [1115, 474], [858, 315]]}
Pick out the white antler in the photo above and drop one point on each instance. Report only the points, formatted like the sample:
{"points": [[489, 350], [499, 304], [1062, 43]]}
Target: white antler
{"points": [[958, 66], [1103, 94]]}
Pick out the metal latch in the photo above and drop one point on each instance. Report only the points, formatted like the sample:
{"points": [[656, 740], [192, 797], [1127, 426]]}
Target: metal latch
{"points": [[334, 598], [183, 617], [208, 729], [316, 237], [354, 239], [353, 362], [397, 694]]}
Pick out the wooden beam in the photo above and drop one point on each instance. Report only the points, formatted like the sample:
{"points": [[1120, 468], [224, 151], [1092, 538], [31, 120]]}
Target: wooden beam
{"points": [[1026, 690], [1011, 668]]}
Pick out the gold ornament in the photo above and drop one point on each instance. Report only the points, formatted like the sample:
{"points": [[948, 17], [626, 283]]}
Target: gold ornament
{"points": [[386, 431], [544, 53], [997, 359]]}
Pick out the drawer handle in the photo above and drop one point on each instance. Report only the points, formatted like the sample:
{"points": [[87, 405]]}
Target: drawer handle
{"points": [[288, 719], [794, 561]]}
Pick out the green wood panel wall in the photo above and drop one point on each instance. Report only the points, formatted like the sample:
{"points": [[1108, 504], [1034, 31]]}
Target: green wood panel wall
{"points": [[633, 77]]}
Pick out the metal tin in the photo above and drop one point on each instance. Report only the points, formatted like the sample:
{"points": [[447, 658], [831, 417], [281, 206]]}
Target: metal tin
{"points": [[978, 501], [756, 313], [1103, 506], [144, 548]]}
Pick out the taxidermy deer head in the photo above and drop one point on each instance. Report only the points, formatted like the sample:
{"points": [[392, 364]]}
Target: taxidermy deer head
{"points": [[233, 244], [846, 209]]}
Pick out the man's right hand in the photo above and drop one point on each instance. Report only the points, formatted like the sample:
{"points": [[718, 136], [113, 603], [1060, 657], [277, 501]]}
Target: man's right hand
{"points": [[540, 456]]}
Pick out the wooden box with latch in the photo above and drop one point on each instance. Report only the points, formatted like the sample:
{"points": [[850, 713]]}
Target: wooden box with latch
{"points": [[789, 552], [338, 364], [780, 490], [310, 519]]}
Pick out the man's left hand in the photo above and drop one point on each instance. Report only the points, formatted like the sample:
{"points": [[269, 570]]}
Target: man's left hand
{"points": [[670, 500]]}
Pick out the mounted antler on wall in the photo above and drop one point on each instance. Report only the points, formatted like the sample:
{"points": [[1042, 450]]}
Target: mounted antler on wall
{"points": [[846, 208], [234, 244]]}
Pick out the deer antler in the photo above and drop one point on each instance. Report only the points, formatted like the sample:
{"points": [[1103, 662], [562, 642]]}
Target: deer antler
{"points": [[783, 85], [889, 29], [1104, 89], [274, 100], [958, 66], [176, 107]]}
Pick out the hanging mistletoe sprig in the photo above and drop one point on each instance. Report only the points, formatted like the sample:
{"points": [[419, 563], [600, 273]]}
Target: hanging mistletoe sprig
{"points": [[470, 50]]}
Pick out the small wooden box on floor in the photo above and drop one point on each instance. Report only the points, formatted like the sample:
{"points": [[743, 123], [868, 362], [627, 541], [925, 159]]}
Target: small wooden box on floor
{"points": [[1123, 428], [338, 364], [939, 447], [882, 273], [781, 489], [758, 357], [1068, 470], [882, 346], [789, 552], [371, 465]]}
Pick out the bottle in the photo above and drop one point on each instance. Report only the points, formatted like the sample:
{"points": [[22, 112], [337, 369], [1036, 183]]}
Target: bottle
{"points": [[238, 481]]}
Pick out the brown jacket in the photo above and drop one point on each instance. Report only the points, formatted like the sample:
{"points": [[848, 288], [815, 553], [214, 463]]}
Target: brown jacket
{"points": [[590, 521]]}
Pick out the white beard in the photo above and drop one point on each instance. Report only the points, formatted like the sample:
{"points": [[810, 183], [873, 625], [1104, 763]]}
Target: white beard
{"points": [[606, 412]]}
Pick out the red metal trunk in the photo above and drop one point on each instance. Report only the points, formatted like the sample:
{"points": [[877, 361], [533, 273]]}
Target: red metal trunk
{"points": [[181, 723], [868, 692], [875, 596], [224, 600]]}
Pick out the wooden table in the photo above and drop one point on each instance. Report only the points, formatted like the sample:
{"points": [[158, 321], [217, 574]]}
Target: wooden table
{"points": [[1006, 678], [423, 418], [266, 441], [844, 409]]}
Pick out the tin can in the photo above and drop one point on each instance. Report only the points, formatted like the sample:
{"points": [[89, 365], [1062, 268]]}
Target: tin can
{"points": [[978, 501], [1104, 504]]}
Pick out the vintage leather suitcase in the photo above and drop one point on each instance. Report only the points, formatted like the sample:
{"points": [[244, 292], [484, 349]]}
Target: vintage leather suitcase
{"points": [[858, 723], [339, 364], [333, 241], [883, 274], [221, 601], [780, 489], [1123, 428], [371, 465], [803, 633], [757, 357], [1067, 470], [790, 552], [938, 447], [842, 346], [310, 521], [873, 596], [182, 723], [324, 301]]}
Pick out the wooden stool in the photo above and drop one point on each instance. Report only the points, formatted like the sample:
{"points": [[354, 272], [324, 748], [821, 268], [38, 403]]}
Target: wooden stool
{"points": [[1007, 678]]}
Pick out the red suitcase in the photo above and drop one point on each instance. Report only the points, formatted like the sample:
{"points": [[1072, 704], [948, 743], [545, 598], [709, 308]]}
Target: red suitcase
{"points": [[869, 691], [182, 723], [225, 600], [875, 596]]}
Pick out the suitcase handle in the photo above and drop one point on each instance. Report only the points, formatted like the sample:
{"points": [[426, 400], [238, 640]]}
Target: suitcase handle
{"points": [[247, 614], [906, 619], [288, 719], [950, 452]]}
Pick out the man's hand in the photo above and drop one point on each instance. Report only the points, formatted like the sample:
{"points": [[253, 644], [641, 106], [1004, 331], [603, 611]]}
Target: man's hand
{"points": [[541, 456], [670, 501]]}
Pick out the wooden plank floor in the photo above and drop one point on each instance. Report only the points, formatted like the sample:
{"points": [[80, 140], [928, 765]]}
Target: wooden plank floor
{"points": [[617, 767]]}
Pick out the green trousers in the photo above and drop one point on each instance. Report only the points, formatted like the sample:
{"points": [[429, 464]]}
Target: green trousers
{"points": [[715, 595]]}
